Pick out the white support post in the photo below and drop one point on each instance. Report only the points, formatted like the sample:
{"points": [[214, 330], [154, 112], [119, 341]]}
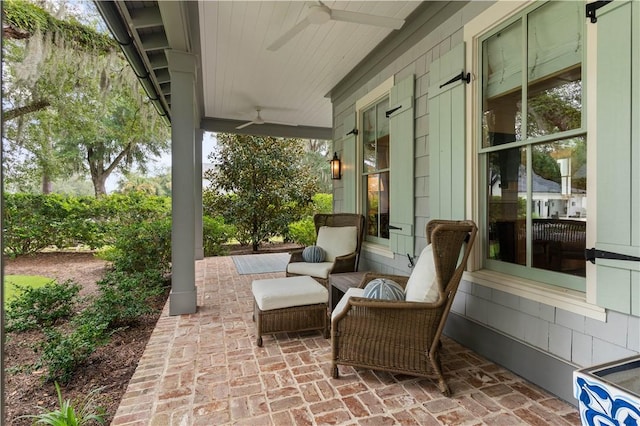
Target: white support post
{"points": [[183, 297]]}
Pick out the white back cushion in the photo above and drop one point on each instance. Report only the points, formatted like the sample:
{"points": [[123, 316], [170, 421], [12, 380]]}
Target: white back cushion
{"points": [[337, 241], [422, 285]]}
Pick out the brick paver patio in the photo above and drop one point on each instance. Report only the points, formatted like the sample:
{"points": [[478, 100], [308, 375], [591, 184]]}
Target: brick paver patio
{"points": [[205, 369]]}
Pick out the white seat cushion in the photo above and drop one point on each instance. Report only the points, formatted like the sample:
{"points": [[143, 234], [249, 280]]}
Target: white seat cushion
{"points": [[337, 241], [277, 293], [320, 270], [422, 285], [342, 304]]}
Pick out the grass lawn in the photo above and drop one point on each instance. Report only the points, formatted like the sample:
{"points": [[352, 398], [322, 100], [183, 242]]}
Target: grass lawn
{"points": [[11, 281]]}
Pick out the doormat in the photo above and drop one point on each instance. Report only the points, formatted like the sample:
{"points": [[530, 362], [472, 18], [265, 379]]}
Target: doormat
{"points": [[261, 263]]}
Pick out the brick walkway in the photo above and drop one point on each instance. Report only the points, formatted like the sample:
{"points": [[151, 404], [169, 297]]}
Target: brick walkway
{"points": [[205, 369]]}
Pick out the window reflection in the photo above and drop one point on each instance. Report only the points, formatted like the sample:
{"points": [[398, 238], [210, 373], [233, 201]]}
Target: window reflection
{"points": [[375, 168], [558, 206]]}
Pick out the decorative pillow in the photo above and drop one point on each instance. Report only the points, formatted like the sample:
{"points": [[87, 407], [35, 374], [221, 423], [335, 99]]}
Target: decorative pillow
{"points": [[313, 254], [422, 285], [382, 288], [337, 241]]}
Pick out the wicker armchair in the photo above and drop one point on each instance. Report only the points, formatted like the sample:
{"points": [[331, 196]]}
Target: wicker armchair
{"points": [[344, 262], [400, 336]]}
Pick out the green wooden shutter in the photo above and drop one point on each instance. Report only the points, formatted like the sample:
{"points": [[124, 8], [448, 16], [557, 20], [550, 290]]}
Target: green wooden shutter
{"points": [[401, 196], [446, 137], [618, 155], [349, 156]]}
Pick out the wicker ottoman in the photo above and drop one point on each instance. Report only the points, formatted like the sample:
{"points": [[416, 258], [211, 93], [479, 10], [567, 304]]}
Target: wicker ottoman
{"points": [[288, 305]]}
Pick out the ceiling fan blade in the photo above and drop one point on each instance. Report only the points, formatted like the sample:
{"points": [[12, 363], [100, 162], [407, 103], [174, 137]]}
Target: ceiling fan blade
{"points": [[366, 19], [284, 38], [242, 126], [282, 123]]}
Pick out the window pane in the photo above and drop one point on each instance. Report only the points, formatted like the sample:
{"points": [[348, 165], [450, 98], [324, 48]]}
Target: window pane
{"points": [[559, 206], [378, 205], [502, 86], [383, 135], [554, 68], [369, 140], [506, 205]]}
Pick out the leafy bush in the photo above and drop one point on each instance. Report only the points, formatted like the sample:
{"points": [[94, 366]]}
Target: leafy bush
{"points": [[33, 222], [42, 306], [303, 232], [141, 246], [124, 297], [322, 203], [63, 354], [214, 234], [79, 413], [25, 230]]}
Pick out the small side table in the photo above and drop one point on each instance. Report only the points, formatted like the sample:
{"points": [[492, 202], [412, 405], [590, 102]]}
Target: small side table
{"points": [[340, 283]]}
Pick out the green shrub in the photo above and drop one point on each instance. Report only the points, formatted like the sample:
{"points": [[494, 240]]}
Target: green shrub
{"points": [[63, 354], [303, 232], [323, 203], [124, 297], [215, 233], [33, 222], [141, 246], [42, 306], [70, 413]]}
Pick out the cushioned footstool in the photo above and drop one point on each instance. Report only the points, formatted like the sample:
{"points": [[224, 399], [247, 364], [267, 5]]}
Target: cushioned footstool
{"points": [[289, 304]]}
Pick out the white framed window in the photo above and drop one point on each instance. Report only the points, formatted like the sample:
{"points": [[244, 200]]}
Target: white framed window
{"points": [[375, 170], [532, 145], [527, 149], [384, 166]]}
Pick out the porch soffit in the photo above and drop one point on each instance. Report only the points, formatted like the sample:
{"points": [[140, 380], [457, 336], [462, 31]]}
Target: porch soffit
{"points": [[237, 73]]}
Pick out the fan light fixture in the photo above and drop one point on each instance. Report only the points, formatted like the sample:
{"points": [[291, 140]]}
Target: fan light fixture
{"points": [[336, 167]]}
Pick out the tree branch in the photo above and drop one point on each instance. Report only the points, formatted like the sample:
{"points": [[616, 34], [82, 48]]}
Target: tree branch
{"points": [[20, 111], [9, 31]]}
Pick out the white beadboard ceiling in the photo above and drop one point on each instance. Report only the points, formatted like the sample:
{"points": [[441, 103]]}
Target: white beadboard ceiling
{"points": [[289, 85], [237, 72]]}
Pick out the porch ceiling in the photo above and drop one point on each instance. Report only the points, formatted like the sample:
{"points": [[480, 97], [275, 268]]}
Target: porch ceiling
{"points": [[238, 73]]}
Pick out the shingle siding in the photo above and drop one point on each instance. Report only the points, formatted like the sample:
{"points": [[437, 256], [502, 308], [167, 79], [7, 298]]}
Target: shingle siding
{"points": [[562, 334]]}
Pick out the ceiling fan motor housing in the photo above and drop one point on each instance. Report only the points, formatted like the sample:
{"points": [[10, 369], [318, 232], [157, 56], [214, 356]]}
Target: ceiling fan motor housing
{"points": [[319, 14]]}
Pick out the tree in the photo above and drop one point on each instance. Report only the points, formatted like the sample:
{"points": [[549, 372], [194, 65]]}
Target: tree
{"points": [[259, 184], [74, 104]]}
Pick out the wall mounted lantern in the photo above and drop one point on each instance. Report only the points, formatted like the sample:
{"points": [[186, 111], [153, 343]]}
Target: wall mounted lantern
{"points": [[336, 167]]}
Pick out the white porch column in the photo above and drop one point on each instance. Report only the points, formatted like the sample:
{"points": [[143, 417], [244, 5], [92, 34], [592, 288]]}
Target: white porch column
{"points": [[198, 196], [182, 67]]}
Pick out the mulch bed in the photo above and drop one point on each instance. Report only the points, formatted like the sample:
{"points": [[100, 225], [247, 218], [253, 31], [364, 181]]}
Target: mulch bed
{"points": [[109, 368]]}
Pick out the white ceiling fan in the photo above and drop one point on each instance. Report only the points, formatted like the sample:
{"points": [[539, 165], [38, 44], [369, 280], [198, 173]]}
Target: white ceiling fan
{"points": [[260, 120], [319, 14]]}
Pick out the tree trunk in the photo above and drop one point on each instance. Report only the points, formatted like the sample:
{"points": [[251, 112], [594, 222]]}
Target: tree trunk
{"points": [[99, 184], [47, 185]]}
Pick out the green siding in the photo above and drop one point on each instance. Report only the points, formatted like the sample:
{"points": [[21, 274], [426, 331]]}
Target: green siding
{"points": [[401, 161], [617, 154], [446, 137]]}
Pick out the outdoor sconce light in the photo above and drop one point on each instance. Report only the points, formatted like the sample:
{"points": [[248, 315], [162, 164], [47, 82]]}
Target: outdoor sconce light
{"points": [[336, 166]]}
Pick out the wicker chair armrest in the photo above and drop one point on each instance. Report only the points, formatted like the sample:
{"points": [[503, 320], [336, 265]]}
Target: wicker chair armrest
{"points": [[375, 309], [296, 256], [370, 276], [346, 263]]}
